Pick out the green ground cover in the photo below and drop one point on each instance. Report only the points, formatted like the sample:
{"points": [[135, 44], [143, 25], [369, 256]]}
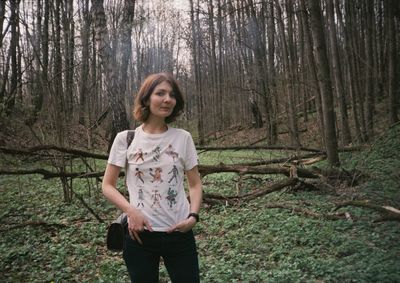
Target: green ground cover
{"points": [[244, 243]]}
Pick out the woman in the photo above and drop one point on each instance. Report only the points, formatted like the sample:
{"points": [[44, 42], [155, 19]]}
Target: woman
{"points": [[159, 215]]}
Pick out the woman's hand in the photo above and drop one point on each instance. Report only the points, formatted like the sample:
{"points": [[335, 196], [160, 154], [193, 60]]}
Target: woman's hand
{"points": [[183, 226], [136, 224], [137, 221]]}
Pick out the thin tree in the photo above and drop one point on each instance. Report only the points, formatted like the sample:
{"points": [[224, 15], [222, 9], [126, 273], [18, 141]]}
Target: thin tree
{"points": [[111, 66], [392, 80], [324, 81], [337, 75]]}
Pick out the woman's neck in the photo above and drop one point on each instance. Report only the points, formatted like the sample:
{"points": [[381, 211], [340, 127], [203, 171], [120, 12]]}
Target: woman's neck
{"points": [[154, 127]]}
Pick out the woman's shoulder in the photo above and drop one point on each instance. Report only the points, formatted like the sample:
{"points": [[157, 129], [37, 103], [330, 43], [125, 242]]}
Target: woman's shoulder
{"points": [[180, 132], [124, 137], [122, 134]]}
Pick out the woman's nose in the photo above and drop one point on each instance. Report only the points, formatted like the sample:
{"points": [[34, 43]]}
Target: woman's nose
{"points": [[168, 98]]}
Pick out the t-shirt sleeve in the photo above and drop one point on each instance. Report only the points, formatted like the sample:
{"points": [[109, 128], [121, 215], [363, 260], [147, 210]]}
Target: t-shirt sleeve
{"points": [[118, 150], [191, 158]]}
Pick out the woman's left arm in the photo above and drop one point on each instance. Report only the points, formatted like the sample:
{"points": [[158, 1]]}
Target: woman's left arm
{"points": [[196, 197], [195, 189]]}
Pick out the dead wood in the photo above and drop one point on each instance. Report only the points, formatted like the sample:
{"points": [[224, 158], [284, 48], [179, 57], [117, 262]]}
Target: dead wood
{"points": [[91, 210], [295, 159], [232, 200], [276, 147], [388, 213], [36, 149], [263, 147], [49, 174], [100, 119], [203, 169], [307, 212], [212, 169], [34, 224]]}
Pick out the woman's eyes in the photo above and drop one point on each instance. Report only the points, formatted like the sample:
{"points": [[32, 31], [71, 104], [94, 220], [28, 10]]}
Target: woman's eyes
{"points": [[163, 93]]}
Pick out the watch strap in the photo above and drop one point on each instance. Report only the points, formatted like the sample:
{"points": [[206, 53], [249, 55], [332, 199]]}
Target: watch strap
{"points": [[195, 215]]}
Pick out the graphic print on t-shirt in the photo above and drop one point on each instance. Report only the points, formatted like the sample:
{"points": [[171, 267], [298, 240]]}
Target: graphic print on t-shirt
{"points": [[171, 152], [140, 198], [138, 155], [156, 154], [174, 174], [156, 197], [171, 197], [156, 175], [139, 175]]}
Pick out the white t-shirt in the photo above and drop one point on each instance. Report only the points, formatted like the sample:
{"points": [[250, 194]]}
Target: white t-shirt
{"points": [[155, 173]]}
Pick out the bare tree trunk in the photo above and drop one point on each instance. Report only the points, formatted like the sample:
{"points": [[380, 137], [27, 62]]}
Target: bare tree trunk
{"points": [[288, 73], [83, 87], [126, 46], [58, 96], [351, 69], [197, 75], [11, 93], [110, 66], [324, 82], [69, 34], [312, 67], [273, 127], [392, 73], [220, 79], [369, 80], [2, 18], [337, 75], [213, 65]]}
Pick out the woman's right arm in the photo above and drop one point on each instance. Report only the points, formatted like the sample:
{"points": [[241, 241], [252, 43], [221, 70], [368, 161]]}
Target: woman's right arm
{"points": [[137, 219]]}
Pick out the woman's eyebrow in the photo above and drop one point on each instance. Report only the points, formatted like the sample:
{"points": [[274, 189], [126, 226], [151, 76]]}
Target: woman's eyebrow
{"points": [[164, 90]]}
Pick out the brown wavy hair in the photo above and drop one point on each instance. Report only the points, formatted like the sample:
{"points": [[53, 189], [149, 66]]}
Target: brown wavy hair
{"points": [[141, 109]]}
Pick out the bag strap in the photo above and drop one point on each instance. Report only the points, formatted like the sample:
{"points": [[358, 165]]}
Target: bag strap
{"points": [[129, 138]]}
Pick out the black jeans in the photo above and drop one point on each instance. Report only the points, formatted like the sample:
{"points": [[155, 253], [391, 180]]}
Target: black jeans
{"points": [[177, 249]]}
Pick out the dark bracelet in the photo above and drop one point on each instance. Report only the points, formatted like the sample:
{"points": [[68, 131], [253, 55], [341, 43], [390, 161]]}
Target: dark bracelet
{"points": [[195, 215]]}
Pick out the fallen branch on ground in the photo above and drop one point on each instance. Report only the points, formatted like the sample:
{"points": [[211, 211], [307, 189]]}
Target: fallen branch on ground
{"points": [[388, 212], [33, 223]]}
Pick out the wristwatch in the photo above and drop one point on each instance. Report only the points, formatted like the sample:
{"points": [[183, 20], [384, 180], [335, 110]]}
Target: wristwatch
{"points": [[195, 215]]}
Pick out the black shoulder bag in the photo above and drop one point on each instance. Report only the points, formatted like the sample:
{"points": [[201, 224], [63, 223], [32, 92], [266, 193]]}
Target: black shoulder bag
{"points": [[116, 230]]}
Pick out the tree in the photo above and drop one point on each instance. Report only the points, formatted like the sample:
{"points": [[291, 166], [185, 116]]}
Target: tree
{"points": [[337, 75], [196, 54], [393, 70], [288, 64], [111, 67], [324, 81]]}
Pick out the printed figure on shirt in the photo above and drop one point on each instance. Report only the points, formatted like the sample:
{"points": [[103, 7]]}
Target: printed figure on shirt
{"points": [[156, 154], [170, 151], [138, 155], [139, 175], [156, 197], [171, 197], [174, 171], [140, 198], [156, 175]]}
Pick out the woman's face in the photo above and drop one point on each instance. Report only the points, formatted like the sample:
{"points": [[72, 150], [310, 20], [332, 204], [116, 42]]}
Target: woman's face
{"points": [[162, 101]]}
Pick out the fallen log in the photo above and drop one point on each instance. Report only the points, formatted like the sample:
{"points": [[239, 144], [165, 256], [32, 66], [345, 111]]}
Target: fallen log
{"points": [[232, 200], [34, 150], [388, 213], [49, 174], [212, 169], [35, 224], [260, 147]]}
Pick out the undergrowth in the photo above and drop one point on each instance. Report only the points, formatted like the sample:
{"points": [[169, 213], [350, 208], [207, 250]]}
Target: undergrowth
{"points": [[44, 239]]}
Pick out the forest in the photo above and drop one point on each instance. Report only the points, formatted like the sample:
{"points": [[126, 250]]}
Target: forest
{"points": [[293, 106]]}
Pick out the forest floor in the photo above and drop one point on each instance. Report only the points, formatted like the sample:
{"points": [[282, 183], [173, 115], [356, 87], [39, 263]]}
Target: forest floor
{"points": [[268, 239]]}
